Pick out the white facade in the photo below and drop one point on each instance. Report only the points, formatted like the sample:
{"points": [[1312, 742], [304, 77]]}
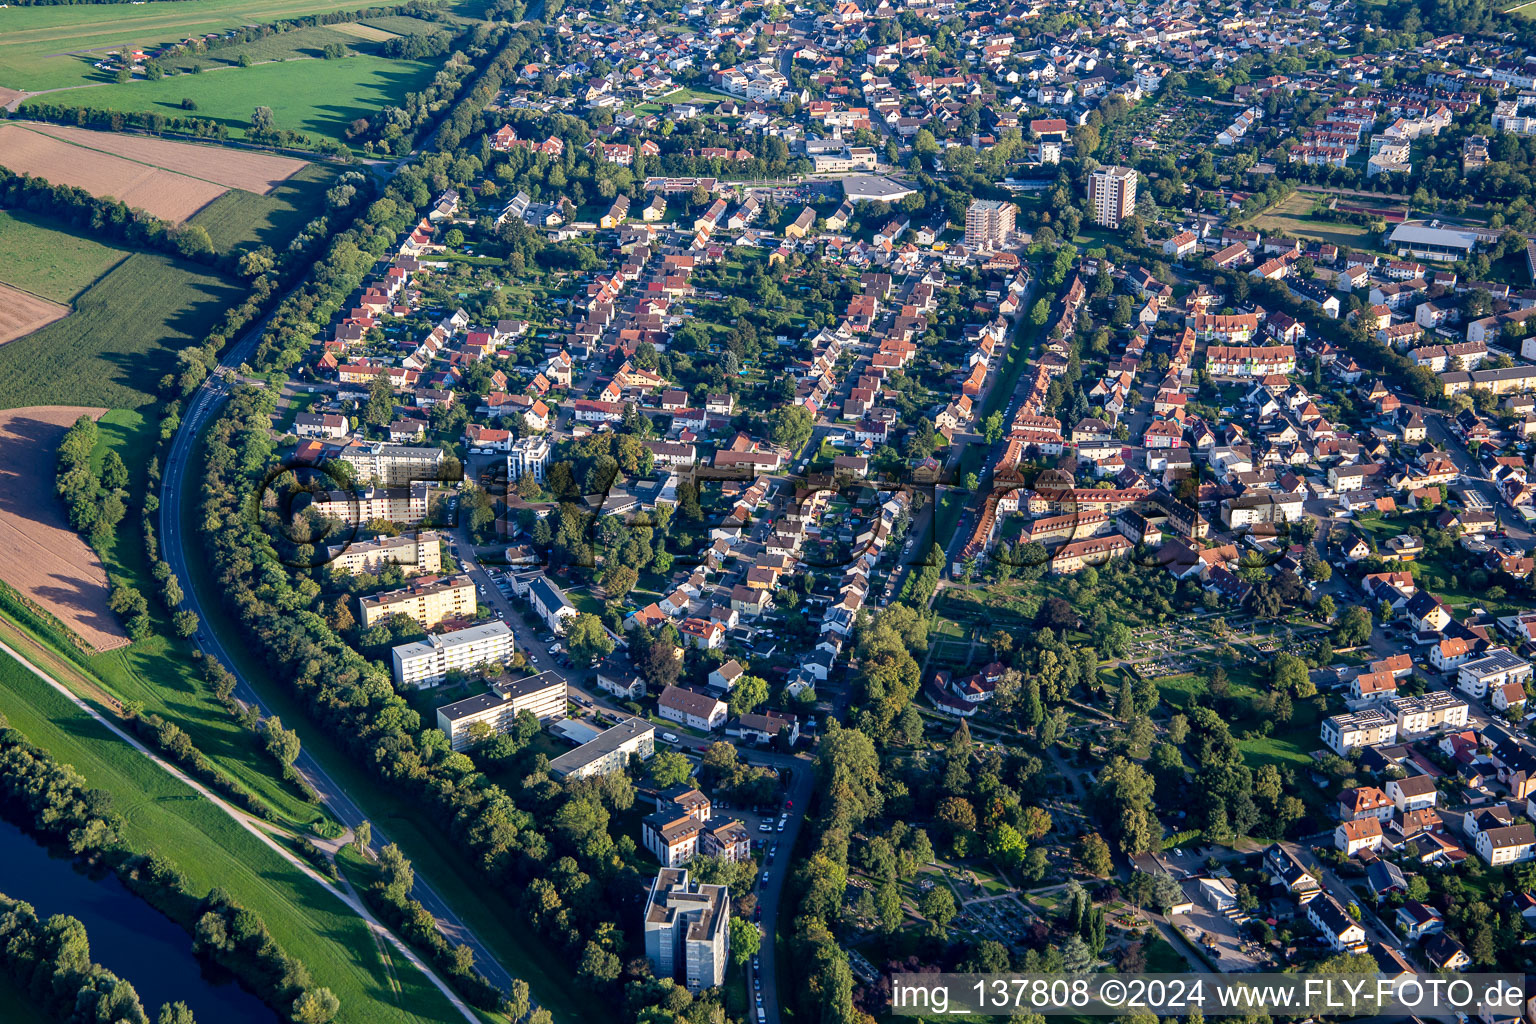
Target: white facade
{"points": [[428, 662]]}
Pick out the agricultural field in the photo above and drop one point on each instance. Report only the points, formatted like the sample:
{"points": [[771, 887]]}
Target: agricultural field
{"points": [[1292, 216], [21, 313], [162, 814], [317, 97], [166, 194], [47, 262], [55, 47], [308, 43], [40, 554], [121, 338], [222, 165], [238, 217]]}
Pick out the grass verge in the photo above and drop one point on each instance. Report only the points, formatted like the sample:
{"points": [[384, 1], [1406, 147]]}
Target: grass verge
{"points": [[494, 916], [161, 814]]}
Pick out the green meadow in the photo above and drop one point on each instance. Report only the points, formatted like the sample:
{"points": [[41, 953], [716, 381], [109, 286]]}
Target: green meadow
{"points": [[160, 813], [38, 257], [317, 97], [54, 47]]}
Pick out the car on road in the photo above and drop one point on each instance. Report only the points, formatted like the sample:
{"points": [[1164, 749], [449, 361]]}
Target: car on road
{"points": [[764, 827]]}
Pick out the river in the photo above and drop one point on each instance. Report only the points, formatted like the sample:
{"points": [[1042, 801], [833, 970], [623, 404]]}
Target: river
{"points": [[128, 936]]}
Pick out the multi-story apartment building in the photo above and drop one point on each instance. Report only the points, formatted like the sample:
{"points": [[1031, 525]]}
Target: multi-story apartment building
{"points": [[428, 662], [392, 464], [675, 838], [687, 933], [406, 505], [428, 601], [413, 552], [633, 739], [1367, 728], [1492, 671], [989, 222], [542, 696], [1112, 195], [529, 456], [1437, 709]]}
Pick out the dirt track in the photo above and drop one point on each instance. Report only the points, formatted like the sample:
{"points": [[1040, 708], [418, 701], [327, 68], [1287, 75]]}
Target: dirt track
{"points": [[166, 194], [40, 555], [234, 168], [21, 313]]}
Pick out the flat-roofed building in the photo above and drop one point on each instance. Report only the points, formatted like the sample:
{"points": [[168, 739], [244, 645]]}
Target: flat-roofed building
{"points": [[989, 222], [392, 464], [633, 739], [428, 601], [428, 662], [413, 552], [1436, 709], [542, 696], [1112, 195], [406, 505], [1366, 728], [529, 457], [687, 930]]}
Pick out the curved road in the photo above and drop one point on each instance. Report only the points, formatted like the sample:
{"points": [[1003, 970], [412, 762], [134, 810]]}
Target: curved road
{"points": [[200, 409]]}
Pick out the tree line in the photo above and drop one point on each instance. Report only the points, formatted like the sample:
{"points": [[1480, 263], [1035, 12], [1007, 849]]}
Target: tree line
{"points": [[550, 839], [52, 802], [51, 962], [105, 217]]}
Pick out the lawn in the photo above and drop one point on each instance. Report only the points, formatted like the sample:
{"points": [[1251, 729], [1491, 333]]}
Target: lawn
{"points": [[1291, 216], [239, 217], [161, 672], [317, 97], [120, 340], [37, 257], [494, 915], [160, 813], [54, 47]]}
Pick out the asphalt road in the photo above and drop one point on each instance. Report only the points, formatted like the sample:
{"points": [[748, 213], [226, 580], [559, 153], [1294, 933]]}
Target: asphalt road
{"points": [[580, 684], [204, 403]]}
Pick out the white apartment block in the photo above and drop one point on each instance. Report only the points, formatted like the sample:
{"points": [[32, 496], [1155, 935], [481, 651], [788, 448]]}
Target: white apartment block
{"points": [[529, 456], [406, 505], [428, 662], [542, 696], [989, 222], [1367, 728], [1492, 671], [1437, 709]]}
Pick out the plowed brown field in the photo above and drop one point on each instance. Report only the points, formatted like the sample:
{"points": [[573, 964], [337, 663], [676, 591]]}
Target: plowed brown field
{"points": [[235, 168], [40, 555], [166, 194], [21, 313]]}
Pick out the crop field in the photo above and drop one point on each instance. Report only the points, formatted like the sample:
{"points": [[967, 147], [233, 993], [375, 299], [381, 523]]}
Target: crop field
{"points": [[161, 813], [317, 97], [222, 165], [55, 47], [166, 194], [49, 263], [121, 339], [273, 219], [40, 554], [21, 313]]}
